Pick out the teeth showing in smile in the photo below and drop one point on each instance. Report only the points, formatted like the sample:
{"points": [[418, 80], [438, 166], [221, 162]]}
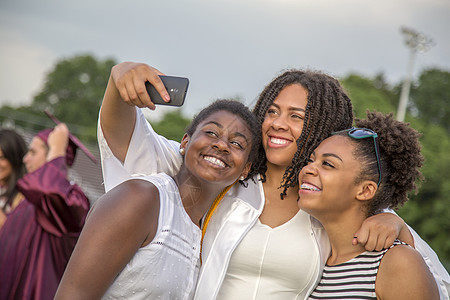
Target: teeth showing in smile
{"points": [[278, 141], [215, 161], [310, 187]]}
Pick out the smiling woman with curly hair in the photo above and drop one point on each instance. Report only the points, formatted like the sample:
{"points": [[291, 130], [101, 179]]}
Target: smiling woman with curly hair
{"points": [[350, 176]]}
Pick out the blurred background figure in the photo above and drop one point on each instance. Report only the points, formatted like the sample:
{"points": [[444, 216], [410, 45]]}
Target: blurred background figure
{"points": [[12, 151], [38, 236]]}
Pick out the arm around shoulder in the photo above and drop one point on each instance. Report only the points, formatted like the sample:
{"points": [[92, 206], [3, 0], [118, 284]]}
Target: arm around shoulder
{"points": [[403, 274], [120, 222]]}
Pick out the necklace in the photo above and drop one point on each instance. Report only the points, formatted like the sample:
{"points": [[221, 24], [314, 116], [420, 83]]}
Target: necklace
{"points": [[211, 212]]}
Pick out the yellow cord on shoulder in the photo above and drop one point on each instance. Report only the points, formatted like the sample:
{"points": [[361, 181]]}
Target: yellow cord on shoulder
{"points": [[211, 212]]}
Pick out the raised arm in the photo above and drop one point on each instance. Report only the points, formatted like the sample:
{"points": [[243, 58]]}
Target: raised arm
{"points": [[128, 145], [115, 229], [57, 141], [125, 90]]}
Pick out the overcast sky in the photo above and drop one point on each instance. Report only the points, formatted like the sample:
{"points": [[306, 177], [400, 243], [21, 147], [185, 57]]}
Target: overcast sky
{"points": [[225, 47]]}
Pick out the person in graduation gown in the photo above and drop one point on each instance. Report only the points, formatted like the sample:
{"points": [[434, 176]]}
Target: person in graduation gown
{"points": [[12, 150], [38, 237]]}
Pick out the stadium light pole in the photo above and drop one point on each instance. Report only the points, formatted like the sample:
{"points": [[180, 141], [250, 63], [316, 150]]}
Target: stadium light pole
{"points": [[416, 42]]}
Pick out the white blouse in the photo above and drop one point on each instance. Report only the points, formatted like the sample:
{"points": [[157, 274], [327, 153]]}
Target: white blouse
{"points": [[168, 267], [264, 267]]}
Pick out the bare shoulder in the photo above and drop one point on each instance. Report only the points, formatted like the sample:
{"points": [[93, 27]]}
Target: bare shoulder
{"points": [[140, 189], [132, 204], [403, 274], [401, 255], [133, 193]]}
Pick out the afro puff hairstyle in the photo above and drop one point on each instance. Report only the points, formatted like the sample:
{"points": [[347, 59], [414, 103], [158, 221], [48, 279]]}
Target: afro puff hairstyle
{"points": [[401, 159]]}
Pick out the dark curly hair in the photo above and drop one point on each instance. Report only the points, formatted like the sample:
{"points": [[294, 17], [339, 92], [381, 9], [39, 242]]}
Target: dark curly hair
{"points": [[400, 160], [14, 149], [238, 109], [328, 109]]}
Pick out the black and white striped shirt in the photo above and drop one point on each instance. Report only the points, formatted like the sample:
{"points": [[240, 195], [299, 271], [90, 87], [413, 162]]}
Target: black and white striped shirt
{"points": [[354, 279]]}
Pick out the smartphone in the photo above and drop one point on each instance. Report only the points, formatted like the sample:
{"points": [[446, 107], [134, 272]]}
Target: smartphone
{"points": [[176, 87]]}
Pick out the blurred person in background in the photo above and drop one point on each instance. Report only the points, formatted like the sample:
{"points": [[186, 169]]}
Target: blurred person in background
{"points": [[12, 151], [39, 235]]}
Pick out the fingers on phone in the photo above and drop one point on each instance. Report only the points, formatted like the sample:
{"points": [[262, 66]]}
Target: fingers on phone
{"points": [[159, 86]]}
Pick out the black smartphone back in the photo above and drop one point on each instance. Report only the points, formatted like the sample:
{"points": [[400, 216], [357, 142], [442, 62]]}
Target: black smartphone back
{"points": [[176, 87]]}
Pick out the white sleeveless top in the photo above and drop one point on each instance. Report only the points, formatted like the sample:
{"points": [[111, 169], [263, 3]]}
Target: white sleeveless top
{"points": [[168, 267], [273, 263]]}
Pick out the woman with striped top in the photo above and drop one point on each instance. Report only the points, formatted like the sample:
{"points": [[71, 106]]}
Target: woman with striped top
{"points": [[352, 175]]}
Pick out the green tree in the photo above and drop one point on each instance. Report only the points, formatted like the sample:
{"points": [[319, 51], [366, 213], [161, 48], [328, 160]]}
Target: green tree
{"points": [[431, 97], [366, 93], [428, 212], [22, 117], [73, 92], [172, 125]]}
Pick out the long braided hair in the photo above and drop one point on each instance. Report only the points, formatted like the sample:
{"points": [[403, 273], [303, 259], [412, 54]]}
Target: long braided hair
{"points": [[328, 109]]}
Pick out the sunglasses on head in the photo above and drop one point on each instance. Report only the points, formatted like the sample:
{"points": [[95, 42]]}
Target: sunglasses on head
{"points": [[362, 133]]}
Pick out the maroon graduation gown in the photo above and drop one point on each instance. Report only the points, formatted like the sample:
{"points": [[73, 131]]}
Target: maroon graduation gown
{"points": [[38, 237]]}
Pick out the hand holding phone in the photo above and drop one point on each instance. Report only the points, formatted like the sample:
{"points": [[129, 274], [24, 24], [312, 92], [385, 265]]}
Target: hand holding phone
{"points": [[175, 86]]}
